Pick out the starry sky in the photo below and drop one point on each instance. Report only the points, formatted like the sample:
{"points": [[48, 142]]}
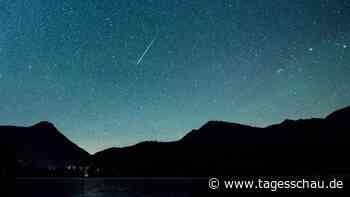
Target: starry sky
{"points": [[114, 73]]}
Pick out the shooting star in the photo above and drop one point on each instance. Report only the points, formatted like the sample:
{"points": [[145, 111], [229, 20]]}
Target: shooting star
{"points": [[146, 51]]}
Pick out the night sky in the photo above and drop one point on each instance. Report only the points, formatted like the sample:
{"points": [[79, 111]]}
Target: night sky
{"points": [[114, 73]]}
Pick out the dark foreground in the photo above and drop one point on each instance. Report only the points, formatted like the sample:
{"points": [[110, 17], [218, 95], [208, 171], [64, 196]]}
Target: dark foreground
{"points": [[151, 187], [110, 187]]}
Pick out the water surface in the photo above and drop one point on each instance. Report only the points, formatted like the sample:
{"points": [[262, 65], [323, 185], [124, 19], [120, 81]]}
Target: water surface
{"points": [[108, 187]]}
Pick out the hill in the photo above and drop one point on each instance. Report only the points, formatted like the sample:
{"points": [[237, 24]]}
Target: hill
{"points": [[39, 146], [293, 147]]}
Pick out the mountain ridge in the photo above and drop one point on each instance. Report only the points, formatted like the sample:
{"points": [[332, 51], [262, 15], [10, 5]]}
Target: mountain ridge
{"points": [[216, 148], [41, 144], [292, 147]]}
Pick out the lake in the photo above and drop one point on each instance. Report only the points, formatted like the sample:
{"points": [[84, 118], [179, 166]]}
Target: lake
{"points": [[109, 187]]}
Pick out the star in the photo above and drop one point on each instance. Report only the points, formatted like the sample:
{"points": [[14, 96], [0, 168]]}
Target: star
{"points": [[280, 70], [311, 49], [345, 46]]}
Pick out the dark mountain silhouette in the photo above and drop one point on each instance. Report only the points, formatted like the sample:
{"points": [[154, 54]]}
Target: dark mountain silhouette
{"points": [[40, 146], [293, 147]]}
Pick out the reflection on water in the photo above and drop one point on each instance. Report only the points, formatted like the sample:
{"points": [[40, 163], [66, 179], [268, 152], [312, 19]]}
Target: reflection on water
{"points": [[107, 187]]}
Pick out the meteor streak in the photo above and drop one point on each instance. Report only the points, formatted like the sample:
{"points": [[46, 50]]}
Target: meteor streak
{"points": [[146, 51]]}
